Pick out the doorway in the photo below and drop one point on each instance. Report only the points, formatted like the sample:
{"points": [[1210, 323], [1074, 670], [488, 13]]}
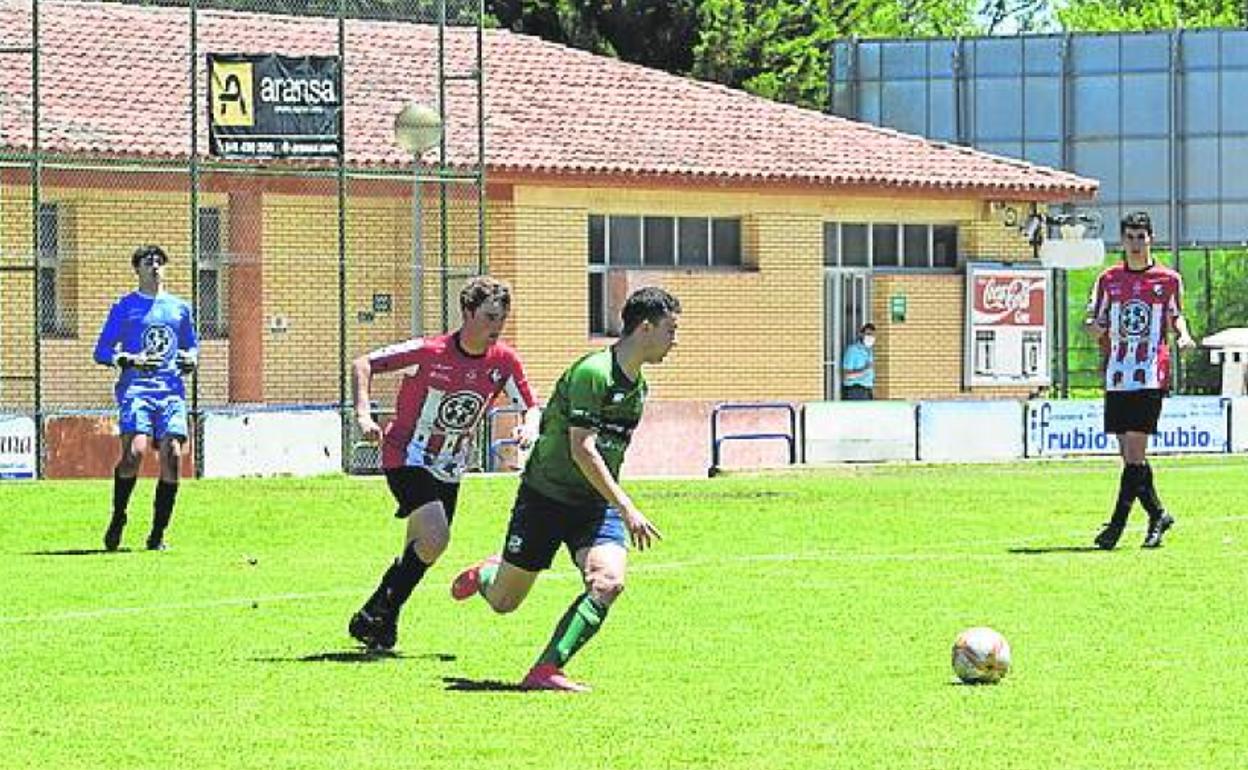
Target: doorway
{"points": [[846, 307]]}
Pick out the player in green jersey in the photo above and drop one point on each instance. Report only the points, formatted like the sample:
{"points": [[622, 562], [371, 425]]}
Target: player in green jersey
{"points": [[570, 491]]}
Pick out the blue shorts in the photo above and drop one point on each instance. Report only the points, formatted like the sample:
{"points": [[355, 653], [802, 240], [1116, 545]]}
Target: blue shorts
{"points": [[539, 524], [156, 416]]}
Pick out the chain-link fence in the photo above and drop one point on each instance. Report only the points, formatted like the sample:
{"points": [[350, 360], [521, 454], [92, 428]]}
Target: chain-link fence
{"points": [[293, 265]]}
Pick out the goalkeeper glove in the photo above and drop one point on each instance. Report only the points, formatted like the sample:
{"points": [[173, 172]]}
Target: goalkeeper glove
{"points": [[124, 360], [141, 361], [186, 361]]}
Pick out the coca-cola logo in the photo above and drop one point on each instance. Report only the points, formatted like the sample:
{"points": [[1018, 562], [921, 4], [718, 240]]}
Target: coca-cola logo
{"points": [[1002, 298]]}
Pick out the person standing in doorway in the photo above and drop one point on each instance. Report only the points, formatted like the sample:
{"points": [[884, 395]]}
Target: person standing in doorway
{"points": [[858, 366]]}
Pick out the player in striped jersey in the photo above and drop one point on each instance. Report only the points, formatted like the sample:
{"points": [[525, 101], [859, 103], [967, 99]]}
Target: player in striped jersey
{"points": [[449, 381], [1133, 307]]}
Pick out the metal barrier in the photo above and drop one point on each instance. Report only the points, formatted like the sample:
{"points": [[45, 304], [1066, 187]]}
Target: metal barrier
{"points": [[494, 446], [718, 440]]}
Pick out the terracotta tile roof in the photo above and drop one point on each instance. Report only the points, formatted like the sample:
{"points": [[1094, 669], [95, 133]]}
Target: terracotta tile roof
{"points": [[114, 82]]}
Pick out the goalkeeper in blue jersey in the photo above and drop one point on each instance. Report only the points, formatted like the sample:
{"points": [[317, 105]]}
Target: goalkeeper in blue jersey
{"points": [[150, 338]]}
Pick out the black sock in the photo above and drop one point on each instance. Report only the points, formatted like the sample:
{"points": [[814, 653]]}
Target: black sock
{"points": [[1148, 494], [122, 487], [162, 509], [397, 584], [1128, 487]]}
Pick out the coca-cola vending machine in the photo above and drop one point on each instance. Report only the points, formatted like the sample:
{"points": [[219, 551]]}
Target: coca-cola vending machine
{"points": [[1008, 322]]}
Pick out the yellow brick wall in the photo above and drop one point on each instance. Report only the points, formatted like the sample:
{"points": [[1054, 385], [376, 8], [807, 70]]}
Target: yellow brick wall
{"points": [[740, 328], [99, 229], [988, 237], [755, 333], [922, 357]]}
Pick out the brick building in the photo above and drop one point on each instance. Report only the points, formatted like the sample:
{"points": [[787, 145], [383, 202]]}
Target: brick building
{"points": [[602, 176]]}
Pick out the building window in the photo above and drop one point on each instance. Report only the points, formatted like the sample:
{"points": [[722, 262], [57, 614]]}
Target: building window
{"points": [[620, 245], [944, 246], [985, 347], [887, 245], [57, 288], [210, 280]]}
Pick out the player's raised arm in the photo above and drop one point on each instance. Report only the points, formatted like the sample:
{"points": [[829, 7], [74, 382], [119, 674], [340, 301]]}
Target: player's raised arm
{"points": [[187, 357], [583, 445], [362, 380], [110, 335], [1095, 321], [1178, 320], [518, 390]]}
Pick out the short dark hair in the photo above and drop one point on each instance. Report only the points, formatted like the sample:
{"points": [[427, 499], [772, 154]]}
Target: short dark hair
{"points": [[481, 288], [1136, 220], [145, 251], [649, 303], [867, 327]]}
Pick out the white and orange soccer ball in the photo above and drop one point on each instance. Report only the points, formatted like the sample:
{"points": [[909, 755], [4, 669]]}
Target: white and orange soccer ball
{"points": [[981, 656]]}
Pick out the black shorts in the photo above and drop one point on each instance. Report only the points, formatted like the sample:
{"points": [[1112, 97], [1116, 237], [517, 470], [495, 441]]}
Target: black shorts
{"points": [[1132, 411], [413, 487], [857, 393], [539, 524]]}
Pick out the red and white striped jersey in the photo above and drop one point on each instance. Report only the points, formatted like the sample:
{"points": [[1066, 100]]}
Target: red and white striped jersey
{"points": [[1139, 308], [444, 395]]}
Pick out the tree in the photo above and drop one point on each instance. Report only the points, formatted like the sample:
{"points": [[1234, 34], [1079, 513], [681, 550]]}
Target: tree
{"points": [[654, 33], [773, 48], [779, 48], [1124, 15]]}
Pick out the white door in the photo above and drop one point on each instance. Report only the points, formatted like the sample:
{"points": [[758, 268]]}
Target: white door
{"points": [[846, 307]]}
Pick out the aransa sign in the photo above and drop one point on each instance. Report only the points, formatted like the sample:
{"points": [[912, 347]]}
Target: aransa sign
{"points": [[270, 106]]}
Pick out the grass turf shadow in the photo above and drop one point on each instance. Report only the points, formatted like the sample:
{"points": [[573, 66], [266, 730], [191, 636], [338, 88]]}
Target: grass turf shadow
{"points": [[1056, 549], [358, 656], [462, 684], [78, 552]]}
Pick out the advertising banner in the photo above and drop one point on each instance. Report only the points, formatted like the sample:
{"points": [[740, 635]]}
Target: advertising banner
{"points": [[966, 431], [17, 447], [269, 106], [1188, 424], [861, 431], [303, 443], [1007, 325]]}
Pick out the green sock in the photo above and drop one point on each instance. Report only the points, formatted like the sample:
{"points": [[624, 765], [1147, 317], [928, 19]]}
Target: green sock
{"points": [[577, 626], [485, 577]]}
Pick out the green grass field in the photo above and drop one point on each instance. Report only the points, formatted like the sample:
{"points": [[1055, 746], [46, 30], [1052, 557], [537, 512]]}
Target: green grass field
{"points": [[787, 621]]}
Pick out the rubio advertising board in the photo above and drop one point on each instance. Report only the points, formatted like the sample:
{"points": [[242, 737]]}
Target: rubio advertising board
{"points": [[1188, 424], [270, 106], [1007, 325], [17, 447]]}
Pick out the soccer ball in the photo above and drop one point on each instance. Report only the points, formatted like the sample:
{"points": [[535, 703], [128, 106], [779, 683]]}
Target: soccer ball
{"points": [[981, 656]]}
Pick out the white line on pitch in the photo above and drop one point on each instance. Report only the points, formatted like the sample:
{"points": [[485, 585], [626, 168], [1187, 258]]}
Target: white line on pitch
{"points": [[825, 556]]}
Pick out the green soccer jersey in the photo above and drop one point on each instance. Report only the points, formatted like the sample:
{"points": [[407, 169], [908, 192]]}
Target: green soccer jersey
{"points": [[593, 393]]}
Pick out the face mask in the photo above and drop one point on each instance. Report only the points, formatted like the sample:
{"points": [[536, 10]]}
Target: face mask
{"points": [[868, 340]]}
